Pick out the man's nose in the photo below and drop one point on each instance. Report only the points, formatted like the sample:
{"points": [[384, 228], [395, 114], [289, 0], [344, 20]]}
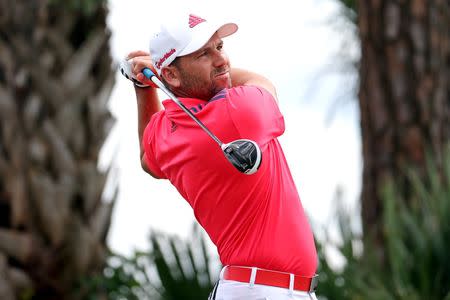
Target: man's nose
{"points": [[220, 58]]}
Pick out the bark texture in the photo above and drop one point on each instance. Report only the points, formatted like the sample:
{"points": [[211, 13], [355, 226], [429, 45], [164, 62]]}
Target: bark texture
{"points": [[56, 76], [404, 93]]}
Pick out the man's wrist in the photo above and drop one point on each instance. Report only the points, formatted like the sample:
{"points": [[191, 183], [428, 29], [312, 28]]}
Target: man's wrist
{"points": [[143, 87], [139, 86]]}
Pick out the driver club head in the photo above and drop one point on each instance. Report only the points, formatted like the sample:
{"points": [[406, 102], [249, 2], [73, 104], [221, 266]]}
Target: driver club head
{"points": [[245, 155]]}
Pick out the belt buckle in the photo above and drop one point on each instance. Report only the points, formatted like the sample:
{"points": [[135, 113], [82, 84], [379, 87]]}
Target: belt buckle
{"points": [[314, 283]]}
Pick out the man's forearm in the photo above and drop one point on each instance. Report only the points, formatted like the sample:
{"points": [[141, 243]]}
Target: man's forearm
{"points": [[244, 77], [147, 105]]}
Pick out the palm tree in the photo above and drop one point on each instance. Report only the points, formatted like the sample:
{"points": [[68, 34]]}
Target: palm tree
{"points": [[404, 107], [404, 95], [55, 81]]}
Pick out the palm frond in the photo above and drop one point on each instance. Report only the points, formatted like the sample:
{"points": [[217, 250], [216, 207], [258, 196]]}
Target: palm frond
{"points": [[176, 281], [171, 269]]}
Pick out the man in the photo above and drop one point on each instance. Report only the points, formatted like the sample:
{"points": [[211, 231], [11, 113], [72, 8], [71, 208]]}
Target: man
{"points": [[256, 221]]}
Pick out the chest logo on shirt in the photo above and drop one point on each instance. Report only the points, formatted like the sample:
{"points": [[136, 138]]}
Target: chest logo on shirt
{"points": [[174, 127]]}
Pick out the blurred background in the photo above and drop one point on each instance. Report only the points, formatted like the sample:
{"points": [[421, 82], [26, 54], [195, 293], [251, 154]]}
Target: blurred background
{"points": [[364, 88]]}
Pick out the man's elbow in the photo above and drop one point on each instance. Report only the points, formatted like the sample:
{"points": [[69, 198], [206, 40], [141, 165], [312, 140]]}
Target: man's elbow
{"points": [[145, 167]]}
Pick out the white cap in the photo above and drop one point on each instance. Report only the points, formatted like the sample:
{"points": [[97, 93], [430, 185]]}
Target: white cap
{"points": [[183, 36]]}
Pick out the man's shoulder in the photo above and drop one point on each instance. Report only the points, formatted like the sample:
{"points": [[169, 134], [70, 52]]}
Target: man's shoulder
{"points": [[247, 91], [242, 91], [157, 117]]}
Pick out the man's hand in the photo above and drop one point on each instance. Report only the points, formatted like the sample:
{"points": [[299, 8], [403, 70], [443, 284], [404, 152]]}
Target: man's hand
{"points": [[133, 65]]}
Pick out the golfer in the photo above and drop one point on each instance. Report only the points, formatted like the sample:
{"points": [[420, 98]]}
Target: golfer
{"points": [[256, 221]]}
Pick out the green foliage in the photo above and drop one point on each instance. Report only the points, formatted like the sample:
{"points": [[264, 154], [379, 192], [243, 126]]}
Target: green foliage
{"points": [[417, 239], [349, 10], [350, 4], [122, 278], [183, 274], [171, 269]]}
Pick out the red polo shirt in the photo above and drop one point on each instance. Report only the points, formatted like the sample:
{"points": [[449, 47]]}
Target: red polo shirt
{"points": [[254, 220]]}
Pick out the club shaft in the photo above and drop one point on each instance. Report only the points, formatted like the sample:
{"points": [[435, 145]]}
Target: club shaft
{"points": [[184, 108]]}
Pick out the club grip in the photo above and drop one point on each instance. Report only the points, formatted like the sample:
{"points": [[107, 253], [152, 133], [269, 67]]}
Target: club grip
{"points": [[148, 73]]}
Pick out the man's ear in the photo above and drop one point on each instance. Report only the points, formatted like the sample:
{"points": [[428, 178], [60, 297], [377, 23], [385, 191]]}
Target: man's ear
{"points": [[171, 76]]}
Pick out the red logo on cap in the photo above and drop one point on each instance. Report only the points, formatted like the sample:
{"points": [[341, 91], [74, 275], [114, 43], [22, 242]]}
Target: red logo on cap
{"points": [[164, 58], [195, 20]]}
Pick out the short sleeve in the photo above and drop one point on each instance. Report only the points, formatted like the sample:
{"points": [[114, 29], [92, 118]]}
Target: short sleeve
{"points": [[255, 113], [148, 140]]}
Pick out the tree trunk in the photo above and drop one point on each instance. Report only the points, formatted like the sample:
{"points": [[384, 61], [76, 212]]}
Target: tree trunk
{"points": [[55, 80], [404, 94]]}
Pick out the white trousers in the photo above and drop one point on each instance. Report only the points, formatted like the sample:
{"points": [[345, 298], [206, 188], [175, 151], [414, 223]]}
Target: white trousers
{"points": [[234, 290]]}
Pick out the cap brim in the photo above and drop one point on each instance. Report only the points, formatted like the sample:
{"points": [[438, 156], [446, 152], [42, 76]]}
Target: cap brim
{"points": [[203, 35]]}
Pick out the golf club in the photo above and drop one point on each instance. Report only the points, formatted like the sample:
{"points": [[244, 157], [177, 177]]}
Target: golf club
{"points": [[245, 155]]}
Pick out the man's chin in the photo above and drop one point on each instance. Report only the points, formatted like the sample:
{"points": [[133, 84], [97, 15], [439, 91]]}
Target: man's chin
{"points": [[223, 80]]}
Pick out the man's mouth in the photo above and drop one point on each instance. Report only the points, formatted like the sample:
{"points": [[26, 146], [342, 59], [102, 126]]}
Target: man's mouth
{"points": [[222, 74]]}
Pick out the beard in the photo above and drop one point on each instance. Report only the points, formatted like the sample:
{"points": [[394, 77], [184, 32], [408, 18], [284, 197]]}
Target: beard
{"points": [[195, 86]]}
